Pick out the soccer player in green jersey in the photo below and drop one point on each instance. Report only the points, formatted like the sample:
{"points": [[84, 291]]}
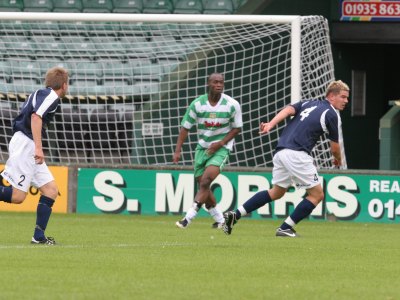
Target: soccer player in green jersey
{"points": [[219, 119]]}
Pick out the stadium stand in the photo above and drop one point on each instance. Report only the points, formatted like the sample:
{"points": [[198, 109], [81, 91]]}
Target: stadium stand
{"points": [[218, 7], [71, 6], [188, 7], [97, 6], [11, 5], [128, 6], [158, 7], [38, 5], [125, 6]]}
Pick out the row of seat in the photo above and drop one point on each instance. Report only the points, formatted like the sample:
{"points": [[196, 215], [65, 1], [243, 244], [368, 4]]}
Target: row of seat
{"points": [[96, 47], [64, 30], [109, 79], [125, 6]]}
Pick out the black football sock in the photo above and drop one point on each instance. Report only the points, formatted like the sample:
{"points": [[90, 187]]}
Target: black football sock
{"points": [[43, 213], [6, 193]]}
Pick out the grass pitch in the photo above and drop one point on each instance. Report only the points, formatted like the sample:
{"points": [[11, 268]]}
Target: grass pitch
{"points": [[141, 257]]}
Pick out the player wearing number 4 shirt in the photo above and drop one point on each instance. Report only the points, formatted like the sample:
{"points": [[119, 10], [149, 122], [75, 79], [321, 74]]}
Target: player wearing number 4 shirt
{"points": [[292, 161], [26, 164]]}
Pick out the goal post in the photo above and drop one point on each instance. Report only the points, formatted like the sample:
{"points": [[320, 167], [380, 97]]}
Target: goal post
{"points": [[133, 76]]}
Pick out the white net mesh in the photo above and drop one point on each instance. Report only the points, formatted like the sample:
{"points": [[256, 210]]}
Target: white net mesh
{"points": [[130, 84]]}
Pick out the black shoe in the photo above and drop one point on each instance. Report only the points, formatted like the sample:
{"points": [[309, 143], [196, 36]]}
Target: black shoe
{"points": [[230, 220], [286, 233], [217, 225], [182, 223], [46, 241]]}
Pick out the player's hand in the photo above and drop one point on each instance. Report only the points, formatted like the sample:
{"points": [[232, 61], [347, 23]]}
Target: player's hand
{"points": [[214, 147], [176, 157], [39, 157], [336, 164], [265, 128]]}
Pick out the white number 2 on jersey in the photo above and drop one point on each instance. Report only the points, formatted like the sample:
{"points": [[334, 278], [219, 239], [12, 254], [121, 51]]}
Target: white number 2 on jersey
{"points": [[305, 113]]}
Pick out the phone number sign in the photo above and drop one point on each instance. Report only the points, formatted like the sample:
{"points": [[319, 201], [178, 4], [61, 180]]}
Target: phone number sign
{"points": [[370, 10]]}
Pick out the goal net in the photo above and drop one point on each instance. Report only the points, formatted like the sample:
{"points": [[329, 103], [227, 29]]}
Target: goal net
{"points": [[133, 76]]}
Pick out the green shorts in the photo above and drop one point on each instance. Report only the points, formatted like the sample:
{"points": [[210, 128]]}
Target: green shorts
{"points": [[202, 160]]}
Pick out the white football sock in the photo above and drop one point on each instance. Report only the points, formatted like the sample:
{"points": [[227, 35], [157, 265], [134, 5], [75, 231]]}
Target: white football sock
{"points": [[216, 214]]}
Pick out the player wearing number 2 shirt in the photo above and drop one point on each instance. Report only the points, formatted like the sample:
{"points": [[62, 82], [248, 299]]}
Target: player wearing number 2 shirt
{"points": [[26, 164], [292, 161]]}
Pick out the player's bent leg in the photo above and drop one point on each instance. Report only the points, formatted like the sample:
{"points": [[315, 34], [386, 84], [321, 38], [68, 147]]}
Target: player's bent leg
{"points": [[315, 194], [18, 196], [277, 192]]}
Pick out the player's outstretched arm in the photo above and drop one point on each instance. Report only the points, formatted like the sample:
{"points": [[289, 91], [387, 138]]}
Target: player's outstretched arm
{"points": [[181, 138], [283, 114]]}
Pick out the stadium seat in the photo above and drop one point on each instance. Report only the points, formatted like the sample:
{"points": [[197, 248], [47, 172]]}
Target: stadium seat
{"points": [[192, 44], [188, 7], [38, 5], [117, 74], [167, 47], [45, 64], [70, 6], [43, 28], [14, 27], [136, 47], [158, 7], [148, 73], [26, 76], [80, 49], [4, 69], [195, 30], [19, 47], [86, 73], [11, 5], [48, 47], [107, 47], [236, 4], [218, 7], [97, 6], [128, 6], [3, 49]]}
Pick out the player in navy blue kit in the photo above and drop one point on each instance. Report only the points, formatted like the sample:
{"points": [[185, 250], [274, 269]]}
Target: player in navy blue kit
{"points": [[292, 161], [26, 163]]}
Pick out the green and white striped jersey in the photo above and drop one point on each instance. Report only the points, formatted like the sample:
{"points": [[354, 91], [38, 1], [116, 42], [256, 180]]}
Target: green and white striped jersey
{"points": [[213, 122]]}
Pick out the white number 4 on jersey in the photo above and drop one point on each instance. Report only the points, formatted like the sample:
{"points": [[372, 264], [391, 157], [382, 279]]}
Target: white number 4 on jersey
{"points": [[305, 113]]}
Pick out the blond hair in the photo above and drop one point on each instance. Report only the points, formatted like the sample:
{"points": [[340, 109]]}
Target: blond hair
{"points": [[56, 77], [335, 87]]}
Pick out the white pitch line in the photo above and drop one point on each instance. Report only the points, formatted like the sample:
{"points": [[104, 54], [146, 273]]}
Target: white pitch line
{"points": [[162, 245]]}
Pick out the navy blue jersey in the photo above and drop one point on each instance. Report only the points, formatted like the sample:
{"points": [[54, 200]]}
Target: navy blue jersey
{"points": [[311, 120], [43, 102]]}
